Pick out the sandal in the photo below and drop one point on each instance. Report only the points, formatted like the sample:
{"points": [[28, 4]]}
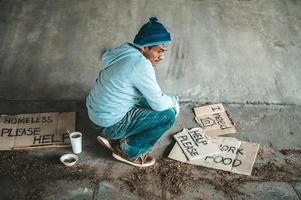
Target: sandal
{"points": [[104, 142], [145, 160]]}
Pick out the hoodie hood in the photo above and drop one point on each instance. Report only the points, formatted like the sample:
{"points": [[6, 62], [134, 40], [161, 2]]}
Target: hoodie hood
{"points": [[111, 56]]}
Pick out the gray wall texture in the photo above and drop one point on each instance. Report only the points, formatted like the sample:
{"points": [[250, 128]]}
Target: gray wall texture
{"points": [[222, 50]]}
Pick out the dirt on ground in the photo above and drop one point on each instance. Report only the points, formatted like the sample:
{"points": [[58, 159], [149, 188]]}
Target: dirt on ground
{"points": [[176, 176], [169, 175], [29, 170], [291, 152]]}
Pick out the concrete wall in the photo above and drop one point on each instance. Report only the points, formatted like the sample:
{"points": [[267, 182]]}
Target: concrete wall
{"points": [[229, 51]]}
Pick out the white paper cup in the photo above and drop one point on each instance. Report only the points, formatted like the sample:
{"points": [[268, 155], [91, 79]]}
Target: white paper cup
{"points": [[76, 142]]}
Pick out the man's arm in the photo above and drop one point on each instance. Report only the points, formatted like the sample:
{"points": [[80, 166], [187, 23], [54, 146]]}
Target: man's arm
{"points": [[145, 81]]}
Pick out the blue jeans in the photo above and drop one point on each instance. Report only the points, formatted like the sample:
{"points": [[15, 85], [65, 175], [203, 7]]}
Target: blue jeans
{"points": [[139, 129]]}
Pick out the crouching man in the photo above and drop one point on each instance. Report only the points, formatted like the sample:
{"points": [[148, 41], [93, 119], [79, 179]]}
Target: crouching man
{"points": [[126, 105]]}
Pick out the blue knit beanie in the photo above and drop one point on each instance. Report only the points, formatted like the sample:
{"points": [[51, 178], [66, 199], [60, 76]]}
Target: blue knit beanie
{"points": [[151, 34]]}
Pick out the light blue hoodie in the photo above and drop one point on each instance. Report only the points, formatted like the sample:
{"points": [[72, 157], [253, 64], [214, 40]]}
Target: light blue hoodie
{"points": [[127, 76]]}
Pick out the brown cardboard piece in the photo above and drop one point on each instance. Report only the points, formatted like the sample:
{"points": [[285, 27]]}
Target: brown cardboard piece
{"points": [[236, 156], [214, 120], [247, 156], [195, 144], [36, 130]]}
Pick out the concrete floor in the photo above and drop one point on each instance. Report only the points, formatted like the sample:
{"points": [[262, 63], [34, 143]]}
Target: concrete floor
{"points": [[276, 173]]}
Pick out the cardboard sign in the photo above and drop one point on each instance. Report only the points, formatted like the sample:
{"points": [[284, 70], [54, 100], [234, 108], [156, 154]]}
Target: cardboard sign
{"points": [[195, 144], [236, 156], [214, 120], [36, 130]]}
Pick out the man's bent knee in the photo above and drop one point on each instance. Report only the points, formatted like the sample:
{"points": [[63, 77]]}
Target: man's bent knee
{"points": [[169, 115]]}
